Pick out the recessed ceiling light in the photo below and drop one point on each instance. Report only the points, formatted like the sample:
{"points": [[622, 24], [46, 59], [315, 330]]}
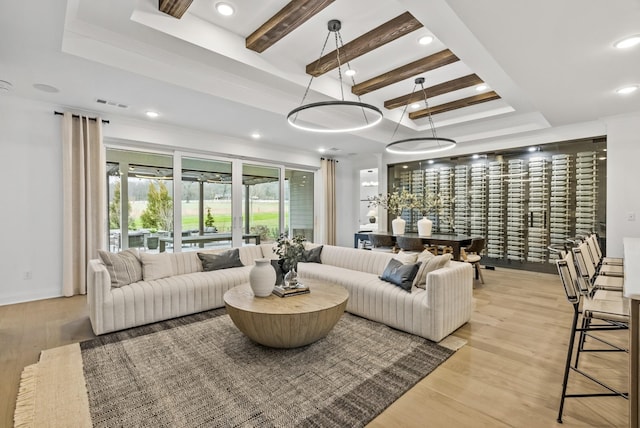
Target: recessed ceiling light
{"points": [[152, 114], [322, 150], [350, 72], [628, 42], [481, 87], [405, 166], [255, 135], [425, 40], [225, 9], [46, 88], [415, 105], [627, 89], [430, 161], [476, 156], [533, 149]]}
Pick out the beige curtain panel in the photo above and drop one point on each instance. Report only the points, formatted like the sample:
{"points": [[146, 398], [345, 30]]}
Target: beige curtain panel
{"points": [[84, 199], [328, 167]]}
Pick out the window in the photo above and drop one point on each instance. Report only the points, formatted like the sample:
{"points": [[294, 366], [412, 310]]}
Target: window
{"points": [[141, 202]]}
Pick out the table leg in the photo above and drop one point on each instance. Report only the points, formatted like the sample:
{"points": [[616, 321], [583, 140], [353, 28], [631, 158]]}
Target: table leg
{"points": [[162, 246], [456, 251], [633, 363], [258, 240]]}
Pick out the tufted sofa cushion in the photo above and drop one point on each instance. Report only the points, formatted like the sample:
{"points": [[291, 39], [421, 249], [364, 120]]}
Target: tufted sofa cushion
{"points": [[355, 259]]}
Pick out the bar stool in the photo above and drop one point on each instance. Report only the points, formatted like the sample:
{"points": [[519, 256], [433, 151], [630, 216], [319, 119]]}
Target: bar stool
{"points": [[473, 256], [594, 312]]}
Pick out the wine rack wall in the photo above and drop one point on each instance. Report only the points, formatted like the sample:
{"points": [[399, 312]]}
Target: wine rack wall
{"points": [[521, 205]]}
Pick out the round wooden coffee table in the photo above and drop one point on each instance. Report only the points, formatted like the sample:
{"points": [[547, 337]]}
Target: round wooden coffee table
{"points": [[287, 322]]}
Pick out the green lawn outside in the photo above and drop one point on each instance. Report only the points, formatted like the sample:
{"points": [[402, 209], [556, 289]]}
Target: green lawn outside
{"points": [[263, 214]]}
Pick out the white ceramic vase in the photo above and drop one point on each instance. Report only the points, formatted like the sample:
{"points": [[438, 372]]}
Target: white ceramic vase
{"points": [[398, 224], [262, 278], [424, 226]]}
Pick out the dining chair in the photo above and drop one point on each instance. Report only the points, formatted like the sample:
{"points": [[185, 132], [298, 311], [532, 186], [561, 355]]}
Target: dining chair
{"points": [[382, 243], [473, 256], [598, 313]]}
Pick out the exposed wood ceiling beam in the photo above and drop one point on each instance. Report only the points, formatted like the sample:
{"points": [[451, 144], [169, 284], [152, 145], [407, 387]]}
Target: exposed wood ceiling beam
{"points": [[434, 91], [175, 8], [465, 102], [387, 32], [290, 17], [423, 65]]}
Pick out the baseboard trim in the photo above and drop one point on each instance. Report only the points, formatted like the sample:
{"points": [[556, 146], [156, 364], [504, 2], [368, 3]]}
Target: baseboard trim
{"points": [[27, 297]]}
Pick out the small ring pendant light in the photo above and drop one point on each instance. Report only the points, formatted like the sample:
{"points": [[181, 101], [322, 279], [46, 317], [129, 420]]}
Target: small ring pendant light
{"points": [[420, 145]]}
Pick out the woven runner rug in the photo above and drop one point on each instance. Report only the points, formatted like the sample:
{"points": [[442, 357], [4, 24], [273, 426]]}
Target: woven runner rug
{"points": [[200, 370]]}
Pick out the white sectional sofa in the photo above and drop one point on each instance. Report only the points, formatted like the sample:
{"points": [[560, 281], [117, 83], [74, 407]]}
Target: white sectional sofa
{"points": [[434, 312], [188, 290]]}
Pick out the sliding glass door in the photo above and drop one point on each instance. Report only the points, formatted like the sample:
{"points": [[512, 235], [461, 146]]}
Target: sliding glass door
{"points": [[299, 206], [206, 208], [220, 203], [261, 203], [140, 199]]}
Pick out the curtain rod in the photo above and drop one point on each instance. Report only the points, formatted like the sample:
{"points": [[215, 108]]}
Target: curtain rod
{"points": [[336, 160], [77, 116]]}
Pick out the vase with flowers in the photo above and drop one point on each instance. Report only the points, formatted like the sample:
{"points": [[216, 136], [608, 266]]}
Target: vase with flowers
{"points": [[394, 203], [431, 204], [290, 251]]}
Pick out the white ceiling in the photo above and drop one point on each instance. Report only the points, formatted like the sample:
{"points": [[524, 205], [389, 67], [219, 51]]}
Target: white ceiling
{"points": [[553, 63]]}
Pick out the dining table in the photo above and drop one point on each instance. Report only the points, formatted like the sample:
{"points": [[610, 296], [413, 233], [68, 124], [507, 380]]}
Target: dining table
{"points": [[456, 242]]}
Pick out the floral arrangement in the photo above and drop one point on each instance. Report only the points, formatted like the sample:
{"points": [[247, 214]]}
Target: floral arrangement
{"points": [[394, 202], [290, 251], [432, 203]]}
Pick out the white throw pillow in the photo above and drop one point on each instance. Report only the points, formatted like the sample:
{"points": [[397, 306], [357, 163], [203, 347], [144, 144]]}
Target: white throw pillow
{"points": [[156, 266], [429, 264], [124, 268], [406, 257]]}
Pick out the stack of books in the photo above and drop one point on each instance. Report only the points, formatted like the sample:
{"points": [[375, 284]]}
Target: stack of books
{"points": [[286, 292]]}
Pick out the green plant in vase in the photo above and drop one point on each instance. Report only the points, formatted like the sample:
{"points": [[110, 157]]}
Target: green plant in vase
{"points": [[291, 252]]}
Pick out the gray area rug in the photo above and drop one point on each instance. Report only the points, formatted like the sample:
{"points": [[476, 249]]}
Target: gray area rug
{"points": [[200, 371]]}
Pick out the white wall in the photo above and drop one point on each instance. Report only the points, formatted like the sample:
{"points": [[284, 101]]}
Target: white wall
{"points": [[31, 216], [623, 191], [31, 184]]}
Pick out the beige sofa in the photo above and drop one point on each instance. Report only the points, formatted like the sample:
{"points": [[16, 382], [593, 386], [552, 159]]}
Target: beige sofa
{"points": [[188, 290], [433, 312]]}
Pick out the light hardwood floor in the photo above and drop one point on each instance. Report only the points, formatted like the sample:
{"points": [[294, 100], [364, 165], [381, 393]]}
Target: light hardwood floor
{"points": [[508, 374]]}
